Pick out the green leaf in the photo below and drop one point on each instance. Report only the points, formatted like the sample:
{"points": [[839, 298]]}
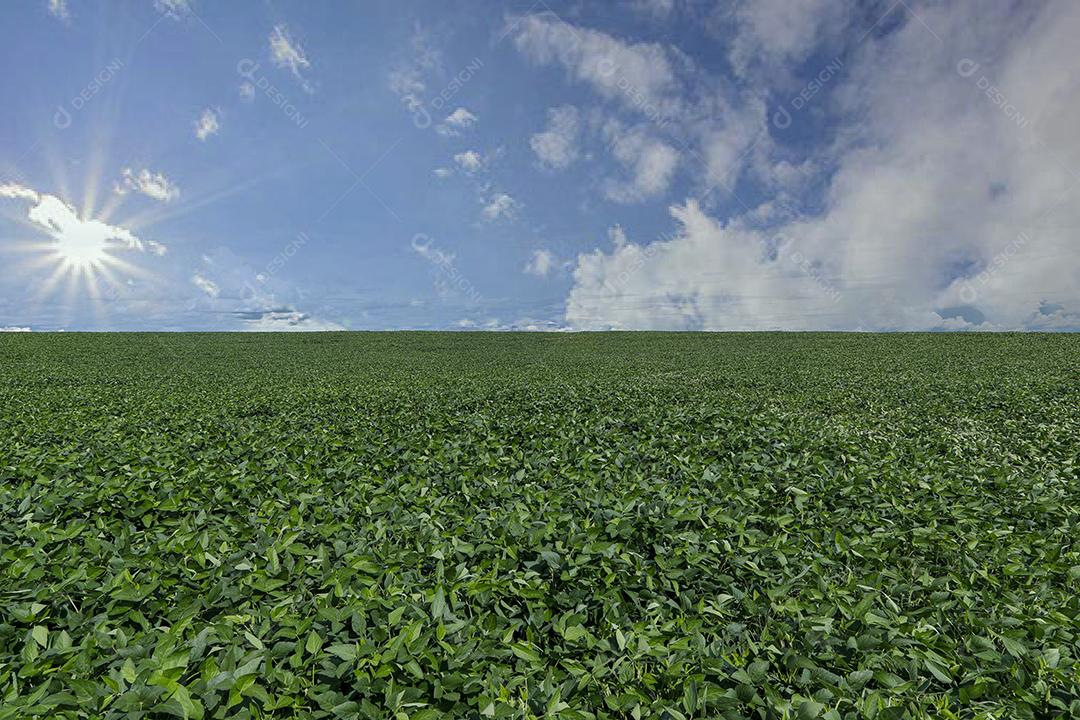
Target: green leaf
{"points": [[575, 632], [438, 604], [526, 652], [809, 709], [342, 650], [1013, 646]]}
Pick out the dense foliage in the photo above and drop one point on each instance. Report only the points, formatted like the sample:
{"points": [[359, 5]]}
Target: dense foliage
{"points": [[576, 526]]}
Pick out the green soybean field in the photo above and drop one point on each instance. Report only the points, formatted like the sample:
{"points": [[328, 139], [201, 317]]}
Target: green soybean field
{"points": [[473, 525]]}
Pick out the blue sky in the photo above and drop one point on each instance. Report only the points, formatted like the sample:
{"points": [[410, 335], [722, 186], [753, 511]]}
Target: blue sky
{"points": [[654, 164]]}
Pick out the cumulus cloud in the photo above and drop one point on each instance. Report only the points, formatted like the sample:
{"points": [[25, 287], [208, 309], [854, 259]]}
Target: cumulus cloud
{"points": [[14, 329], [457, 121], [541, 263], [500, 205], [950, 202], [151, 184], [286, 52], [556, 147], [62, 223], [651, 163], [707, 276], [442, 172], [723, 126], [469, 161], [208, 124], [206, 285]]}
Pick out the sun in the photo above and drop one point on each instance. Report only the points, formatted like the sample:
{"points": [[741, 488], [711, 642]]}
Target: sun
{"points": [[82, 247], [83, 250]]}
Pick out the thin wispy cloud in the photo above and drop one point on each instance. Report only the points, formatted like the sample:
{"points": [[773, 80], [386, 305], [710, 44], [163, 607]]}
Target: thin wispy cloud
{"points": [[209, 287], [540, 263], [208, 124], [286, 52], [175, 9], [59, 9]]}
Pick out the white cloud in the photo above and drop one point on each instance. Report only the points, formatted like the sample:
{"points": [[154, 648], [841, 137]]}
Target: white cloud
{"points": [[525, 324], [651, 162], [13, 329], [541, 263], [707, 276], [175, 9], [738, 138], [773, 33], [640, 75], [556, 147], [947, 206], [455, 122], [208, 124], [63, 224], [470, 161], [286, 52], [59, 9], [285, 320], [723, 126], [206, 285], [408, 80], [408, 84], [442, 172], [150, 184], [500, 205], [18, 192]]}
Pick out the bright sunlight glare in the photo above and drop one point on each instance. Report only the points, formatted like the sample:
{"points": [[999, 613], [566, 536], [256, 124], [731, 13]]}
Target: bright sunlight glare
{"points": [[81, 247], [82, 250]]}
